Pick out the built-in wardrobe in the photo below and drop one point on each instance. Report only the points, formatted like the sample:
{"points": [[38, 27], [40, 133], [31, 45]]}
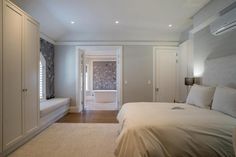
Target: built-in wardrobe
{"points": [[19, 76]]}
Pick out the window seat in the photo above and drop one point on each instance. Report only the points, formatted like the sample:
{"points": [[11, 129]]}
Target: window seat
{"points": [[51, 105], [53, 109]]}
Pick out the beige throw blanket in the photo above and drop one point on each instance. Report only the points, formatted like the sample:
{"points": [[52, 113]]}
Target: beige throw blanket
{"points": [[173, 130]]}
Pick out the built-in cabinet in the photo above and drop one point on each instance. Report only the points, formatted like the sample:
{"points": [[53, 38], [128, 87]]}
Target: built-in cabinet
{"points": [[1, 12], [20, 61]]}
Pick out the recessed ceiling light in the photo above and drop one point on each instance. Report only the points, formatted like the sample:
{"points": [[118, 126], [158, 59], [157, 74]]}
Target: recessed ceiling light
{"points": [[170, 25], [117, 22], [72, 22]]}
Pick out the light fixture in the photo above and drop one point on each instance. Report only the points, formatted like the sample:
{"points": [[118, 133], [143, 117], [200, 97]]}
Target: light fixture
{"points": [[189, 81], [72, 22], [117, 22], [170, 25]]}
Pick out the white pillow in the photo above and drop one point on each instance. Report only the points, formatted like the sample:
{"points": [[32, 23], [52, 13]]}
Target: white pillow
{"points": [[225, 100], [200, 96]]}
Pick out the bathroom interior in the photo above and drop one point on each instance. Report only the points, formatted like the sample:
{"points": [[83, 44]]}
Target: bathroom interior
{"points": [[100, 80]]}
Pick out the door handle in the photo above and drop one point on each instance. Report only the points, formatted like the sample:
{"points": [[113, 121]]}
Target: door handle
{"points": [[157, 89], [24, 90]]}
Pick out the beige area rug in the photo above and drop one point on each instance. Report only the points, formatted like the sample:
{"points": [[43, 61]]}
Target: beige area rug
{"points": [[72, 140]]}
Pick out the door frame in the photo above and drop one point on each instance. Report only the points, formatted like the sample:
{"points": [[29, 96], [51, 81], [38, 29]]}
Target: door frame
{"points": [[155, 49], [119, 55]]}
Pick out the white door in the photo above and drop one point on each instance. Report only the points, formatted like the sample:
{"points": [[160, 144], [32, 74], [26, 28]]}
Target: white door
{"points": [[82, 78], [12, 75], [30, 83], [166, 74]]}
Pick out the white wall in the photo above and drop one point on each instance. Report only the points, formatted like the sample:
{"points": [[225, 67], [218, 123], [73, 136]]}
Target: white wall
{"points": [[65, 72]]}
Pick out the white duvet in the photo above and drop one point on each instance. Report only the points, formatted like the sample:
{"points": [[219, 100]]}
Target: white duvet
{"points": [[158, 130]]}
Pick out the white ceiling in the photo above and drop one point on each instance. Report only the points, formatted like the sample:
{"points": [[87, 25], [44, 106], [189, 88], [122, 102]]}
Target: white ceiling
{"points": [[144, 20]]}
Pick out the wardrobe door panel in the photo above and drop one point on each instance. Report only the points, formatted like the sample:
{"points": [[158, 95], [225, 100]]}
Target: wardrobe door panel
{"points": [[12, 75], [31, 71], [1, 74]]}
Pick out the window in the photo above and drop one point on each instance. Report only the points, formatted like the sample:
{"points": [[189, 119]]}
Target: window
{"points": [[42, 78]]}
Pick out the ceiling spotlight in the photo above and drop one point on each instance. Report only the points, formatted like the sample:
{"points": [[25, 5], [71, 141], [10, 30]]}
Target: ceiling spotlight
{"points": [[170, 25], [72, 22], [117, 22]]}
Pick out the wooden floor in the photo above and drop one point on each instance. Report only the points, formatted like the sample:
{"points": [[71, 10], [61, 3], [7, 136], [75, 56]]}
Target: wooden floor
{"points": [[90, 117]]}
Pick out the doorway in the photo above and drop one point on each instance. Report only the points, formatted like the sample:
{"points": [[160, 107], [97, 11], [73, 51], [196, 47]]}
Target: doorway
{"points": [[99, 77], [165, 74]]}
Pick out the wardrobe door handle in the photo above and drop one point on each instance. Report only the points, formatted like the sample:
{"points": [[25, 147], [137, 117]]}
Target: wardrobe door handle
{"points": [[24, 90]]}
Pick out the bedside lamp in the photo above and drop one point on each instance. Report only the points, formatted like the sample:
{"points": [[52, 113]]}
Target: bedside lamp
{"points": [[189, 81]]}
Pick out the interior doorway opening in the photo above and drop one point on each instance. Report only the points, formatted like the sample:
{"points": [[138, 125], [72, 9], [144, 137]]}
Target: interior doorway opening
{"points": [[100, 77]]}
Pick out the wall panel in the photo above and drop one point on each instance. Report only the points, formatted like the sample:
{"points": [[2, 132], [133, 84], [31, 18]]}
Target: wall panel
{"points": [[1, 11]]}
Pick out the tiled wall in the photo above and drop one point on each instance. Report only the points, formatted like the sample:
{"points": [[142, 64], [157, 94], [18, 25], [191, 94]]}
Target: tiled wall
{"points": [[47, 50], [104, 75]]}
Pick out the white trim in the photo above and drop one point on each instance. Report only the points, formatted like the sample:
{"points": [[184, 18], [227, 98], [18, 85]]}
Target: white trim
{"points": [[77, 83], [119, 50], [92, 57], [47, 38], [120, 60], [119, 43], [154, 75], [74, 109]]}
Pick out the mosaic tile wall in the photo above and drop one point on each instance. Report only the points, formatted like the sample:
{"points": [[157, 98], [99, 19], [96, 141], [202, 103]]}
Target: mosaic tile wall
{"points": [[47, 50], [104, 75]]}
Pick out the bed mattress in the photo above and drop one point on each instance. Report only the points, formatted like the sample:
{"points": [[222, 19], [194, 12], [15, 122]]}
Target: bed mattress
{"points": [[173, 130]]}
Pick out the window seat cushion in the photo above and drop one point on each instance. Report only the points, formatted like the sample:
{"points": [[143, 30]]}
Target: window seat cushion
{"points": [[51, 105]]}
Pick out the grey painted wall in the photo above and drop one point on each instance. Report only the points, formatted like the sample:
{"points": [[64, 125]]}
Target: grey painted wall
{"points": [[205, 45], [65, 72], [208, 46], [137, 70], [211, 9]]}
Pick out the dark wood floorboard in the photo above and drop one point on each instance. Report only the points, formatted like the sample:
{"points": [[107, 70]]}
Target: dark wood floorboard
{"points": [[90, 117]]}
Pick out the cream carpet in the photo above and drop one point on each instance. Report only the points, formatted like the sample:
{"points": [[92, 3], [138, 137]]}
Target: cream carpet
{"points": [[72, 140]]}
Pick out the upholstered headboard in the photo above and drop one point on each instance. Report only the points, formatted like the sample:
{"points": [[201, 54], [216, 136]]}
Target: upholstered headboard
{"points": [[220, 72]]}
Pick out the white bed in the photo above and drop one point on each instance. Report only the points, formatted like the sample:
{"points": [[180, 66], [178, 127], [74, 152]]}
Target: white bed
{"points": [[158, 130]]}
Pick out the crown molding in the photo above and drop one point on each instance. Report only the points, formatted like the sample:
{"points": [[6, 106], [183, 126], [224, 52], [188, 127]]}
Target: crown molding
{"points": [[204, 24], [119, 43], [45, 37]]}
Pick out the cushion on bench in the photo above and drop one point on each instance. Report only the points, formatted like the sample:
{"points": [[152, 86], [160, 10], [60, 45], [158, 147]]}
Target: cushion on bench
{"points": [[51, 105]]}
